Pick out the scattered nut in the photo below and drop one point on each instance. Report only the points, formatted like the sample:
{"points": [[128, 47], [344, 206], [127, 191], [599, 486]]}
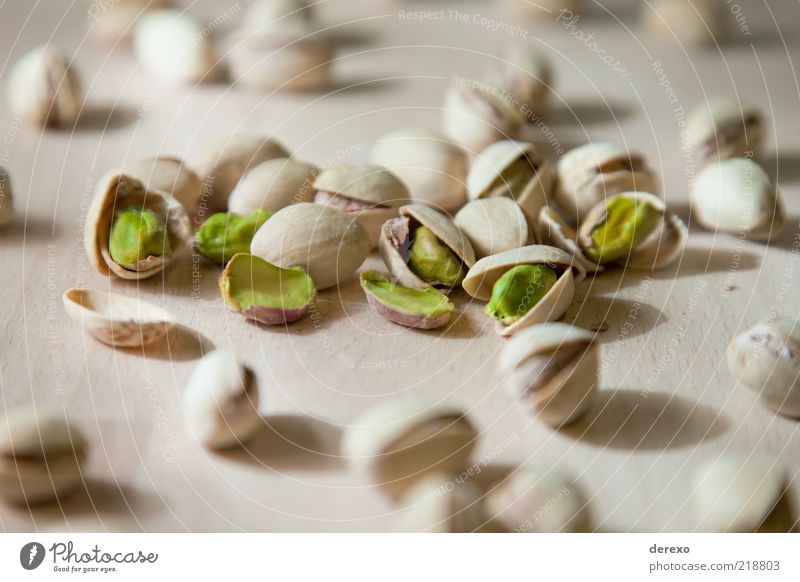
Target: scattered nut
{"points": [[426, 309], [169, 175], [224, 235], [493, 225], [722, 129], [6, 198], [525, 73], [273, 185], [435, 504]]}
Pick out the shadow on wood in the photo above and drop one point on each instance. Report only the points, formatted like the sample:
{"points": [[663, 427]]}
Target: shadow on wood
{"points": [[611, 315], [179, 345]]}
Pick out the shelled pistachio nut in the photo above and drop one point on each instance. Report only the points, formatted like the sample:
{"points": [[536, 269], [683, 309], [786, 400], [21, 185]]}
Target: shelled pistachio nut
{"points": [[399, 441], [552, 368], [132, 232], [6, 198], [476, 116], [590, 173], [114, 22], [221, 401], [262, 292], [688, 22], [493, 225], [370, 193], [526, 73], [766, 359], [277, 15], [426, 309], [328, 243], [542, 290], [44, 89], [432, 167], [41, 456], [273, 185], [515, 170], [436, 504], [169, 175], [722, 129], [424, 248], [543, 10], [117, 320], [224, 235], [737, 196], [552, 230]]}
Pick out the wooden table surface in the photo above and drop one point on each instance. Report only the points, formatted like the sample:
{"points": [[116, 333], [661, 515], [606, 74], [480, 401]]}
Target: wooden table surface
{"points": [[667, 401]]}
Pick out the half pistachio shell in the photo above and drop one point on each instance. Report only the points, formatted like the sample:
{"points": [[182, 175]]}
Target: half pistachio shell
{"points": [[170, 175], [6, 198], [273, 185], [493, 225], [722, 129], [427, 309], [437, 504]]}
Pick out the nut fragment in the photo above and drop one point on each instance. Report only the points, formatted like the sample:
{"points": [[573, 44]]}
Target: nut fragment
{"points": [[224, 235], [273, 185], [436, 504], [169, 175], [525, 73], [426, 309], [722, 129], [687, 22], [6, 198], [493, 225]]}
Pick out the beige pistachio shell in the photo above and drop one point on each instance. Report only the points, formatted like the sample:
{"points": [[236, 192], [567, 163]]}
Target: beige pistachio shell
{"points": [[6, 198], [169, 175], [277, 15], [115, 192], [437, 504], [328, 243], [433, 168], [273, 185], [117, 320], [552, 230], [114, 22], [737, 196], [722, 128], [687, 23], [526, 73], [493, 225]]}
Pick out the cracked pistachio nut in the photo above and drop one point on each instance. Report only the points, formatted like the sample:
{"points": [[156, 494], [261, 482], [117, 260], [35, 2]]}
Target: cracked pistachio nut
{"points": [[493, 225], [277, 15], [526, 73], [114, 22], [169, 175], [737, 196], [525, 296], [400, 441], [722, 129], [370, 193], [515, 170], [766, 359], [476, 116], [328, 243], [262, 292], [221, 401], [133, 232], [544, 10], [41, 456], [423, 248], [685, 22], [426, 309], [589, 174], [44, 89], [117, 320], [552, 369], [224, 235], [6, 198], [273, 185], [432, 167], [437, 504]]}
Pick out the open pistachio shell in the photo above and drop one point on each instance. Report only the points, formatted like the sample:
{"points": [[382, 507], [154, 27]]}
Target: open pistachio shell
{"points": [[116, 192], [6, 198], [427, 309], [169, 175], [273, 185], [493, 225], [117, 320], [526, 73], [265, 293], [553, 230], [722, 128], [437, 504]]}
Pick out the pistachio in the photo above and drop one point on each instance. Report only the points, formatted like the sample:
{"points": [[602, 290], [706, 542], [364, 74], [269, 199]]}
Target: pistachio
{"points": [[426, 309], [737, 196], [277, 15], [117, 320], [138, 239], [553, 230], [400, 441], [265, 293], [542, 9], [224, 235], [493, 225], [518, 290], [766, 359], [221, 401], [6, 198], [722, 129], [436, 504], [686, 22], [551, 368], [328, 243], [44, 89], [526, 73], [432, 167], [432, 261], [169, 175], [41, 456], [273, 185]]}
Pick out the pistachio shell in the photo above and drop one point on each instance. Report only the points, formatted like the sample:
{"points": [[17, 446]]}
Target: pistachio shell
{"points": [[113, 23], [493, 225], [168, 175], [329, 244], [433, 168], [277, 15], [427, 309], [737, 196], [436, 504], [273, 185], [526, 73], [721, 129], [6, 198], [686, 22], [552, 230], [117, 320]]}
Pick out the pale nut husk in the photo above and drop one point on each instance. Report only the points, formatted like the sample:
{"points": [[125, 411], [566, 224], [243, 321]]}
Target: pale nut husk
{"points": [[171, 175], [43, 88], [399, 441], [437, 504], [221, 401], [542, 10], [328, 243], [690, 23], [475, 116], [493, 225], [277, 15], [432, 167], [117, 320], [115, 192], [6, 198], [396, 234], [114, 22], [273, 185], [737, 493], [553, 230], [552, 368], [766, 359], [222, 164], [41, 456], [737, 196], [526, 73], [484, 274], [593, 172], [722, 129], [529, 501], [370, 193], [513, 169]]}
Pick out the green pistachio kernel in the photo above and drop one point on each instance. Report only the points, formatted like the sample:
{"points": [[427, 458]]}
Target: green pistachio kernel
{"points": [[426, 309], [224, 235], [136, 234], [627, 224], [432, 261], [518, 290]]}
